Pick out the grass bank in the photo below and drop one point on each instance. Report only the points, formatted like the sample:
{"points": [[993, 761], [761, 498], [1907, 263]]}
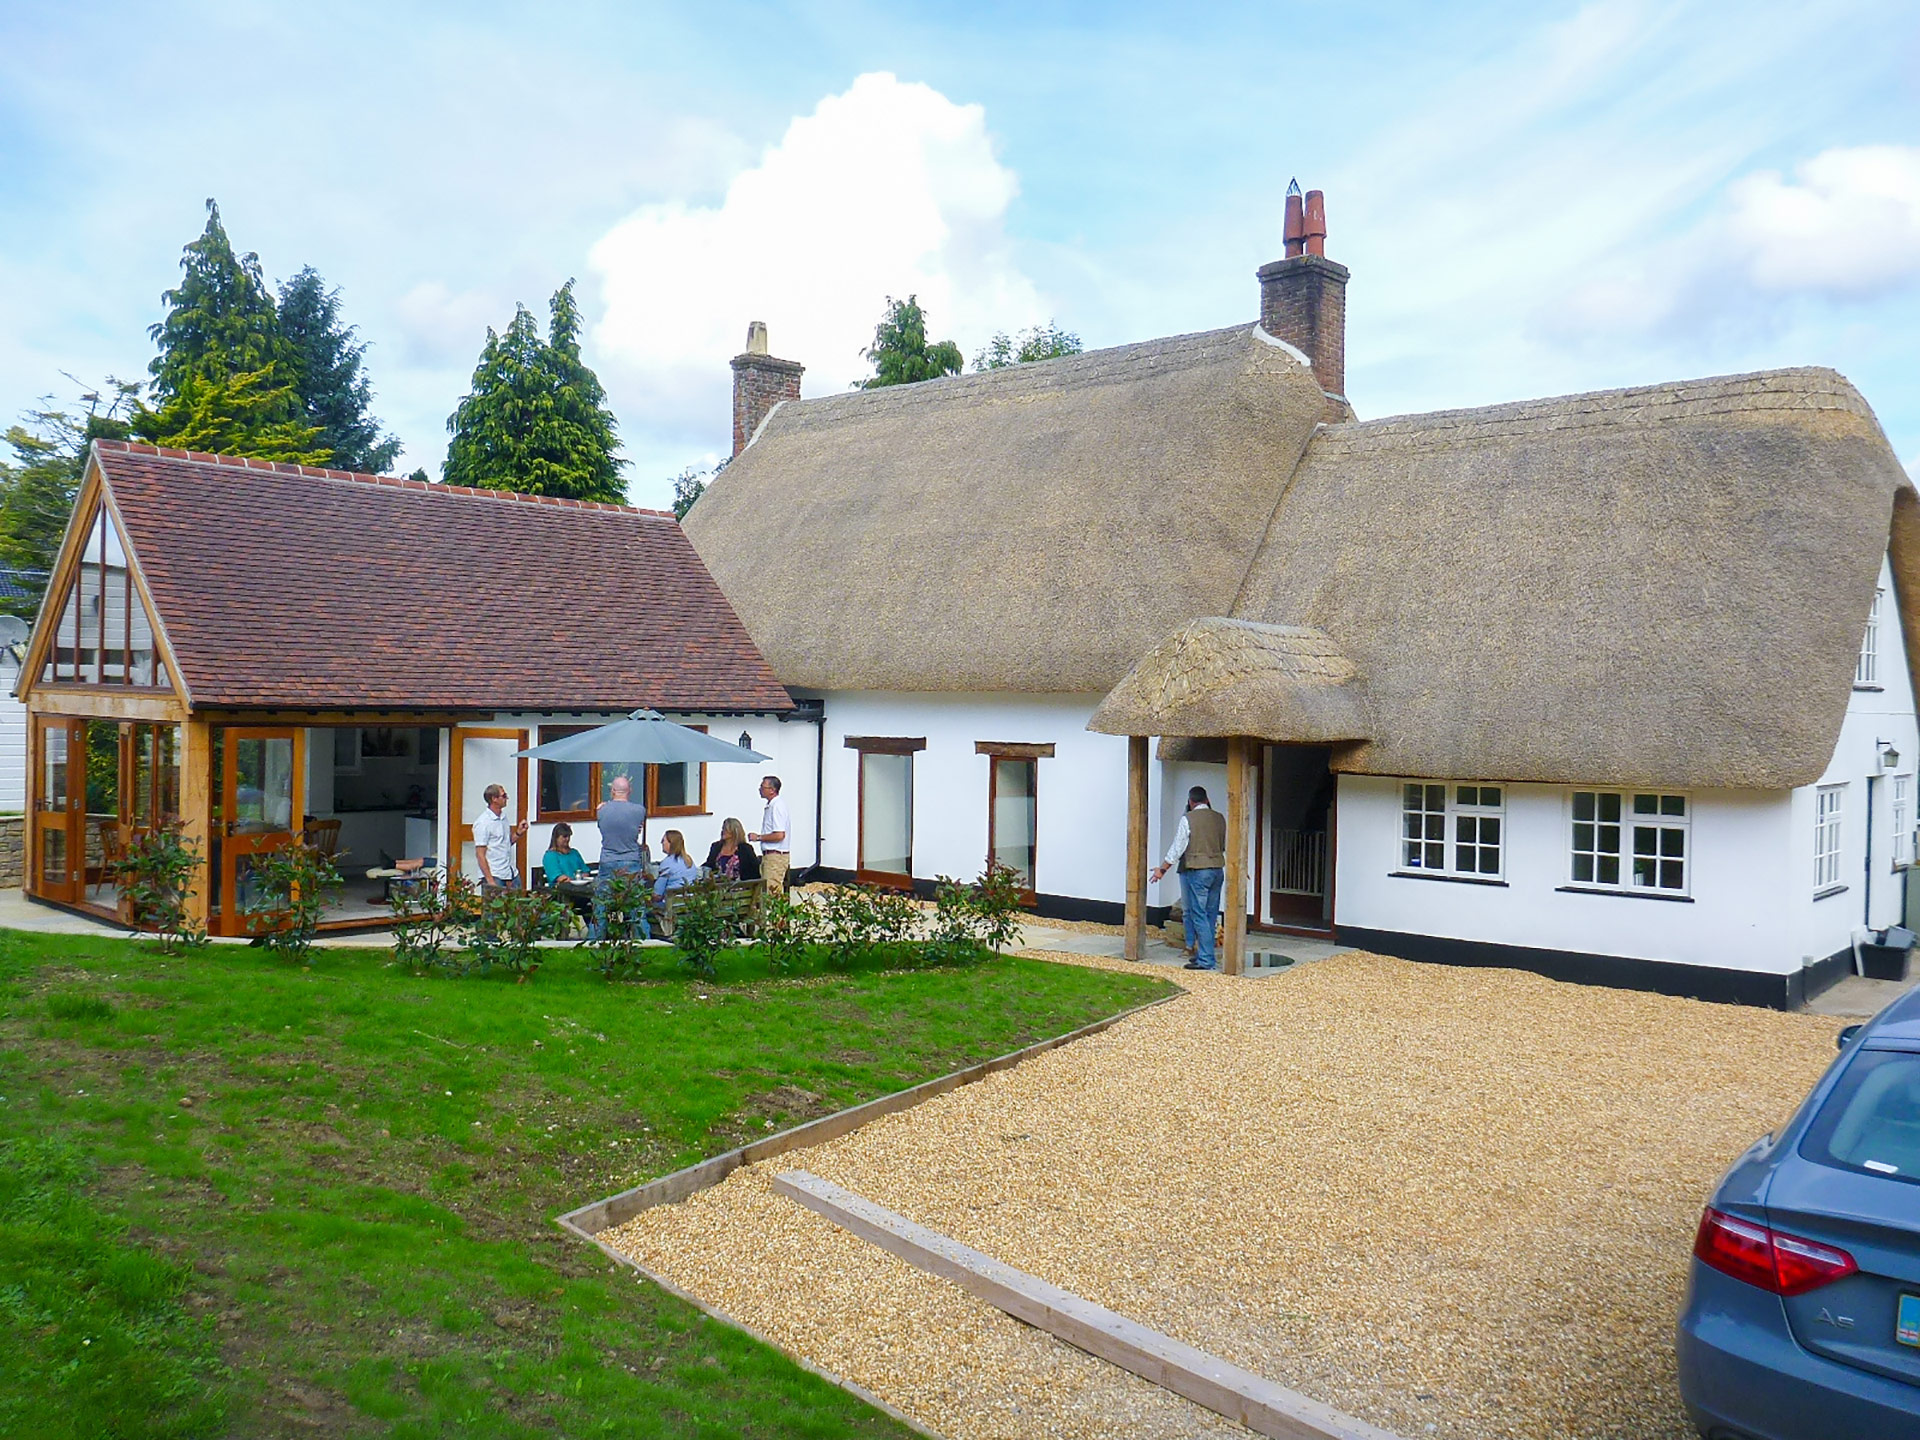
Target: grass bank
{"points": [[242, 1199]]}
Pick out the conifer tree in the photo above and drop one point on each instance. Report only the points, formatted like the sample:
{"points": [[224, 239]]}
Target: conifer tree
{"points": [[900, 352], [37, 488], [536, 419], [334, 391], [224, 377]]}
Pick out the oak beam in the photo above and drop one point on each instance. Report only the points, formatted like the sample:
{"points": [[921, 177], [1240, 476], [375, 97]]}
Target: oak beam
{"points": [[1136, 941], [196, 812], [1233, 900]]}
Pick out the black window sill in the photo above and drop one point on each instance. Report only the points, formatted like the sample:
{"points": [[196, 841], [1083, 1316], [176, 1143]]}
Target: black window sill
{"points": [[1829, 892], [1623, 894], [1442, 875], [1875, 688]]}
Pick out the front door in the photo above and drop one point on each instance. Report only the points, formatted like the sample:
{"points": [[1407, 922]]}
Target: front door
{"points": [[1297, 795], [59, 858], [484, 756], [261, 792]]}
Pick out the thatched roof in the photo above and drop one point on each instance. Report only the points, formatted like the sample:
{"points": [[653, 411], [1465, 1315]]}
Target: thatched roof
{"points": [[1219, 677], [1029, 529], [1661, 586]]}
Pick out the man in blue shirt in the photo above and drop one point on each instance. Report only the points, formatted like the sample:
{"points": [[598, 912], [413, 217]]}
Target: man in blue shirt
{"points": [[622, 822]]}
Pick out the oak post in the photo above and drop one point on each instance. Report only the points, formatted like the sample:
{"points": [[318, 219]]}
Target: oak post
{"points": [[197, 823], [1136, 941], [1233, 899]]}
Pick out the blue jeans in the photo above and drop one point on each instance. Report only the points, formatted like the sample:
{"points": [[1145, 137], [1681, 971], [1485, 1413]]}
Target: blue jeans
{"points": [[598, 930], [1200, 899]]}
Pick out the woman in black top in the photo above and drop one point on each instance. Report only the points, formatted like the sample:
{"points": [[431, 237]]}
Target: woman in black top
{"points": [[731, 855]]}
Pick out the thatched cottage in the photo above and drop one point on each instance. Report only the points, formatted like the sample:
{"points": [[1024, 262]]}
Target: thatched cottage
{"points": [[1575, 684]]}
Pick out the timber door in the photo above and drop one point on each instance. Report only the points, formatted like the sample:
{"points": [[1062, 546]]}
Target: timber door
{"points": [[58, 862], [483, 757], [262, 774]]}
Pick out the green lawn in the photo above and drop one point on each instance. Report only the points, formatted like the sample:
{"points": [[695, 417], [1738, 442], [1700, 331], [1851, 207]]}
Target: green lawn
{"points": [[238, 1198]]}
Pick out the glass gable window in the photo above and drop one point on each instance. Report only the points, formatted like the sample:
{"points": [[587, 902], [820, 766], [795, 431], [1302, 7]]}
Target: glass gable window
{"points": [[104, 635], [1453, 829], [1631, 841]]}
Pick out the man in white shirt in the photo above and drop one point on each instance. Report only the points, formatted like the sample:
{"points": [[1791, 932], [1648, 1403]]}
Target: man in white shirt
{"points": [[493, 838], [776, 850]]}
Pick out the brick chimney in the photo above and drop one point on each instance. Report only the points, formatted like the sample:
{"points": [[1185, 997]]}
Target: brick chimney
{"points": [[1303, 297], [760, 382]]}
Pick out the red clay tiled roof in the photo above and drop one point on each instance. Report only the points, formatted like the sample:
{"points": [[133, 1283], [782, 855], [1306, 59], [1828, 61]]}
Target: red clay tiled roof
{"points": [[286, 586]]}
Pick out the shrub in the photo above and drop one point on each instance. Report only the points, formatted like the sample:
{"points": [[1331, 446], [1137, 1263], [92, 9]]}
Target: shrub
{"points": [[787, 927], [509, 927], [292, 882], [702, 925], [155, 877], [431, 917], [972, 921], [859, 921], [624, 903]]}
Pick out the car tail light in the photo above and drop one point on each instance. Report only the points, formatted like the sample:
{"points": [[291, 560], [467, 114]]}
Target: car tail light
{"points": [[1773, 1260]]}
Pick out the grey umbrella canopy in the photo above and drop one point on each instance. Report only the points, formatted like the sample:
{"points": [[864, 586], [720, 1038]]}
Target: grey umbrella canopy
{"points": [[645, 737]]}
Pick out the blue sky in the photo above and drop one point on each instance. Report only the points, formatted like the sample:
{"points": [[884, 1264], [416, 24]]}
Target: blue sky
{"points": [[1533, 198]]}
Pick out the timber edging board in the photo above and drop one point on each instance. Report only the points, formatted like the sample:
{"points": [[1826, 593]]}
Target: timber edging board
{"points": [[1226, 1389]]}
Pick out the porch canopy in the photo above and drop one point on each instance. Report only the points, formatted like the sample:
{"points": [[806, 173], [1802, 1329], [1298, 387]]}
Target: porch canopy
{"points": [[644, 737], [1247, 683]]}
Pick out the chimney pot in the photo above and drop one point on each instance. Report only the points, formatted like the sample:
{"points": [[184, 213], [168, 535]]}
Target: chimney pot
{"points": [[1303, 298], [760, 382], [1316, 223]]}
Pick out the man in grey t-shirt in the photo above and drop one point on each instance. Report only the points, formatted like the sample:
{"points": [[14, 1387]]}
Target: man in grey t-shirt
{"points": [[622, 822]]}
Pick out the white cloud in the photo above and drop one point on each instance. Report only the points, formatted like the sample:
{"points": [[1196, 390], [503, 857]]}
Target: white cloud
{"points": [[887, 189], [441, 326], [1848, 224]]}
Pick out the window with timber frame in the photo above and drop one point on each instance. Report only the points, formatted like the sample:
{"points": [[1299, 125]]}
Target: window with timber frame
{"points": [[104, 635], [1449, 829], [1632, 841], [573, 789]]}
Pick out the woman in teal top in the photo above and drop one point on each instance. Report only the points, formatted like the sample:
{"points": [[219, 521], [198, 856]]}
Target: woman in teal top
{"points": [[562, 861]]}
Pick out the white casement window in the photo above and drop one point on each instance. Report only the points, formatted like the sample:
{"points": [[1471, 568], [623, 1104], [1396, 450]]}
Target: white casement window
{"points": [[1900, 809], [1867, 672], [1453, 829], [1826, 835], [1627, 840]]}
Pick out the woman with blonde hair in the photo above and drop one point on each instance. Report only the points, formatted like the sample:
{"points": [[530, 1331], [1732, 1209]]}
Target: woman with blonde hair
{"points": [[675, 870], [731, 856]]}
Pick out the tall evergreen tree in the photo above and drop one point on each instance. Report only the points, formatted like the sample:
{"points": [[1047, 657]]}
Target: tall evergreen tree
{"points": [[326, 373], [37, 489], [900, 352], [536, 419], [224, 377]]}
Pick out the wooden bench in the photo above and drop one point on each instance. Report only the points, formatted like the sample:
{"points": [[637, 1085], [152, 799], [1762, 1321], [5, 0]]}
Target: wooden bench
{"points": [[739, 906]]}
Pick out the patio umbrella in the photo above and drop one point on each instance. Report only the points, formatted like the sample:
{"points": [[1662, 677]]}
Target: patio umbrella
{"points": [[645, 737]]}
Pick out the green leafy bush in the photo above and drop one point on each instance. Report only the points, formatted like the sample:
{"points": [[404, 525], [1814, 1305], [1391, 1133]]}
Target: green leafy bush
{"points": [[860, 921], [703, 923], [292, 882], [625, 901], [510, 926], [155, 877], [432, 917], [972, 921], [787, 927]]}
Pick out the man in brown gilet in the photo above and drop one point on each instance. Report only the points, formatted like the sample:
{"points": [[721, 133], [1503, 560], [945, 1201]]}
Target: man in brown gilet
{"points": [[1200, 850]]}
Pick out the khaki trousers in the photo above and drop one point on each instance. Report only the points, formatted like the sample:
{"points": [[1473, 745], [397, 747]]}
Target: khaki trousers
{"points": [[773, 869]]}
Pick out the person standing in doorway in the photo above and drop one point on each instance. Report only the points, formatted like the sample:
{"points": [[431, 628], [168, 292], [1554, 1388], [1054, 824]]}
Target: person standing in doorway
{"points": [[776, 850], [622, 822], [1200, 850], [493, 840]]}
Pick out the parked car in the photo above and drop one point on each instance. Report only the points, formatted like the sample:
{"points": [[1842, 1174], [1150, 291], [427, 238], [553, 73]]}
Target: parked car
{"points": [[1802, 1319]]}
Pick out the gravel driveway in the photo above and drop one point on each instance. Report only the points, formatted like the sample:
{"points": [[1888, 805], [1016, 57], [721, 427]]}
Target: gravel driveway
{"points": [[1453, 1202]]}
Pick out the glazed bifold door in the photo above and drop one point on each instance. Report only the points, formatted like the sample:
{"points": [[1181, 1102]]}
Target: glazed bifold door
{"points": [[260, 798], [58, 871]]}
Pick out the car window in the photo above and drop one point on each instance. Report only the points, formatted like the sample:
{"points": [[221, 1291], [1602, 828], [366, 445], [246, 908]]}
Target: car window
{"points": [[1871, 1120]]}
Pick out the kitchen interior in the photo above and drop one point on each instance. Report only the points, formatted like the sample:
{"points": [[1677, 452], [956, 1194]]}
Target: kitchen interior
{"points": [[382, 783]]}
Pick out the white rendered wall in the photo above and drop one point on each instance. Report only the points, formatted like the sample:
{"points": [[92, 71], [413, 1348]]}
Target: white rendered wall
{"points": [[1081, 791], [1828, 925], [732, 790], [1740, 914]]}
